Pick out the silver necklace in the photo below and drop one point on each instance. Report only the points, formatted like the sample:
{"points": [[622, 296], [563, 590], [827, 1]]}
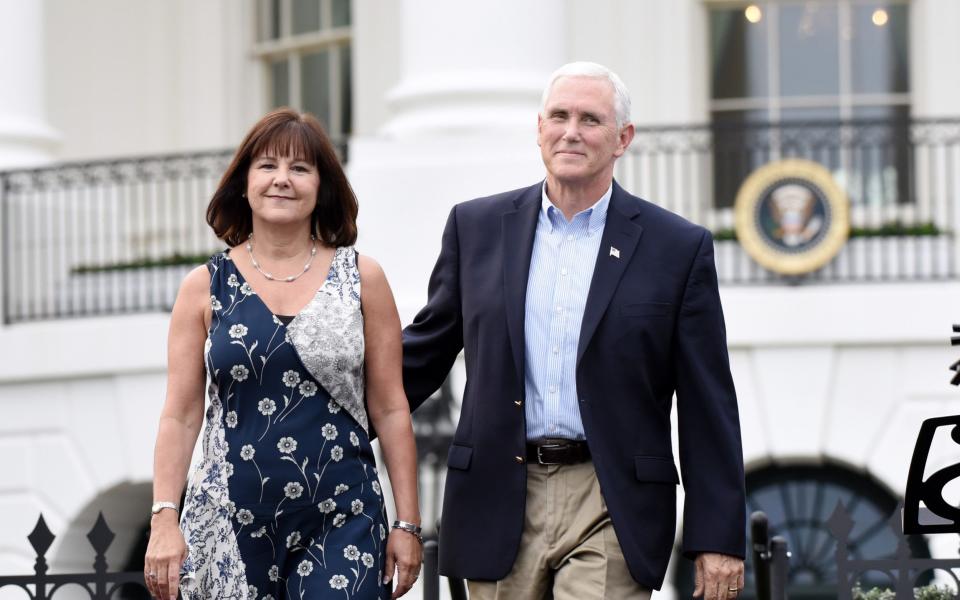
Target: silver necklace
{"points": [[268, 275]]}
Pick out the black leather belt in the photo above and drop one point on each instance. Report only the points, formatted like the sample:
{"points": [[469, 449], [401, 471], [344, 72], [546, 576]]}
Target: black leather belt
{"points": [[558, 452]]}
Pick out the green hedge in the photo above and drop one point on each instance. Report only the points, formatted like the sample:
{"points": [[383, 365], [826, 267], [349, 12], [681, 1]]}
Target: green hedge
{"points": [[174, 260], [892, 229]]}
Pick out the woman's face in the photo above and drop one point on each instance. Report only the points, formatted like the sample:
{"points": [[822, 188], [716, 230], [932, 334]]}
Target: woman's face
{"points": [[282, 189]]}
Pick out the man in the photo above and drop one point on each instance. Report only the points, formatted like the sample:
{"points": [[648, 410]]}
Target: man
{"points": [[581, 310]]}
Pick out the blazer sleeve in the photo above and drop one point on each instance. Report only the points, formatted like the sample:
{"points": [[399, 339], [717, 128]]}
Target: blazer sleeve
{"points": [[711, 454], [432, 342]]}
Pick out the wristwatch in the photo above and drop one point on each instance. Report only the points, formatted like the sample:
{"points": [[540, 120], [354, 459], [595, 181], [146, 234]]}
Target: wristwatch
{"points": [[158, 506]]}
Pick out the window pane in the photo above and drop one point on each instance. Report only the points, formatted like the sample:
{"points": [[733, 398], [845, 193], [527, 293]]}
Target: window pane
{"points": [[306, 16], [817, 113], [809, 43], [880, 156], [341, 13], [738, 55], [812, 133], [879, 48], [280, 83], [315, 81], [741, 143], [346, 113], [269, 15]]}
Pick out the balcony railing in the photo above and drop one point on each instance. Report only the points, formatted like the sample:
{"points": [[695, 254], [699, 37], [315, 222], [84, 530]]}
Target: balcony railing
{"points": [[902, 179], [113, 237], [104, 237]]}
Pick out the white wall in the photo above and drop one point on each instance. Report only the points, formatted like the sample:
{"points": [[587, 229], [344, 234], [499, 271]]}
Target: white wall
{"points": [[133, 77], [80, 401], [935, 53], [659, 49]]}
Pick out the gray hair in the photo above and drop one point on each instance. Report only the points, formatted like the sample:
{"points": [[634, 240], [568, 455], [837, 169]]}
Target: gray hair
{"points": [[621, 97]]}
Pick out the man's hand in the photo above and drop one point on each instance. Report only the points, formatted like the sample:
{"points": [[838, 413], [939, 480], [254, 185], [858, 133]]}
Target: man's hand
{"points": [[719, 576]]}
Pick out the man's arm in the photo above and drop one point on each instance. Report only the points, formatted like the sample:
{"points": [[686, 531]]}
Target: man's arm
{"points": [[711, 455], [432, 342]]}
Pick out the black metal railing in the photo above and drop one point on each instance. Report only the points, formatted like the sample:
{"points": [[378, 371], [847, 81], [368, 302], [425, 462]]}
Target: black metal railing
{"points": [[99, 584], [771, 559], [900, 573], [105, 237], [902, 179], [113, 237]]}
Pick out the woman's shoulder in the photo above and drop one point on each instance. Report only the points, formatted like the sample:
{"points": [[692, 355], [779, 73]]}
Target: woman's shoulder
{"points": [[197, 282], [369, 268]]}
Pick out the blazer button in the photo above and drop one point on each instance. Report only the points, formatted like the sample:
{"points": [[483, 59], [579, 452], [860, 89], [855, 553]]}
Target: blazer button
{"points": [[518, 402], [519, 459]]}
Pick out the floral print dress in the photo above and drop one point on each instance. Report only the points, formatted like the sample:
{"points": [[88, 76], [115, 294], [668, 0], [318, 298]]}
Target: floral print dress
{"points": [[285, 502]]}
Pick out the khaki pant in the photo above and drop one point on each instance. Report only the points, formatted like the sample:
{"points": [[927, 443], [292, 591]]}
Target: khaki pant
{"points": [[568, 550]]}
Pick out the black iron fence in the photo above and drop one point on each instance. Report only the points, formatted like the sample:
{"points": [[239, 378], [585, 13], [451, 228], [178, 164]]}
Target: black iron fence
{"points": [[112, 237], [99, 584]]}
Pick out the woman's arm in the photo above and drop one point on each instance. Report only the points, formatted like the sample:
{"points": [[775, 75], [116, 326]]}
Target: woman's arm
{"points": [[390, 416], [180, 423]]}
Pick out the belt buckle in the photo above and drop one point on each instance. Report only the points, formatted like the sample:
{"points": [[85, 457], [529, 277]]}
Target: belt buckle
{"points": [[549, 447]]}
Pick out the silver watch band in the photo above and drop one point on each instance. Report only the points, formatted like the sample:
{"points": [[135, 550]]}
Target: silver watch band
{"points": [[158, 506]]}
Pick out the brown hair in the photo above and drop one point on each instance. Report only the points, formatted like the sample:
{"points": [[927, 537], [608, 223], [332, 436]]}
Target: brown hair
{"points": [[285, 132]]}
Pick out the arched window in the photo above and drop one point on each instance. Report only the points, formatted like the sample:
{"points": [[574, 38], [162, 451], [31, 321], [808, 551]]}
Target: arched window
{"points": [[798, 501]]}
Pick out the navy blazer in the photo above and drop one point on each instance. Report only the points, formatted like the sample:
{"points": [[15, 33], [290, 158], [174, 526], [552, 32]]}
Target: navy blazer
{"points": [[652, 327]]}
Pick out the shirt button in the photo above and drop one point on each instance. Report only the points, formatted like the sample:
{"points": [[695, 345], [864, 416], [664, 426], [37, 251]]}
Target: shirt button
{"points": [[569, 238], [563, 272], [519, 459], [553, 389], [553, 428], [559, 309], [556, 349]]}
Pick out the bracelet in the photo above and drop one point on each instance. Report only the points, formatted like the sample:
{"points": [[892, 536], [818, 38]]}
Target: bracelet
{"points": [[158, 506], [410, 528]]}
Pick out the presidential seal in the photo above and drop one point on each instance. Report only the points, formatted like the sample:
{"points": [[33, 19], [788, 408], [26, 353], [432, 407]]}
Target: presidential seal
{"points": [[791, 216]]}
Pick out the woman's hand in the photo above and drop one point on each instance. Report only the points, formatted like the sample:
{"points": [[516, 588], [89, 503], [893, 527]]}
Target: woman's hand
{"points": [[165, 554], [405, 554]]}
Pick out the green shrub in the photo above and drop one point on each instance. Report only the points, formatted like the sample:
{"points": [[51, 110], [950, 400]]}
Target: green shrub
{"points": [[928, 592]]}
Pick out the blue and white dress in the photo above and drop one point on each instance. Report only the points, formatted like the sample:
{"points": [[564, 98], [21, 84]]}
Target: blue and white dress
{"points": [[285, 502]]}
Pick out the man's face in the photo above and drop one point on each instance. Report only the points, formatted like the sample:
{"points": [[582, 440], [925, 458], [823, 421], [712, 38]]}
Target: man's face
{"points": [[577, 131]]}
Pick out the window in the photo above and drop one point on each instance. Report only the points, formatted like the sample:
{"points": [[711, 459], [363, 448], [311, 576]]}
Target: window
{"points": [[826, 80], [798, 501], [305, 48]]}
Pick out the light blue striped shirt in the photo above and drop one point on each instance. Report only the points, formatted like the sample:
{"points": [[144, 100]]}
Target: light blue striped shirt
{"points": [[561, 268]]}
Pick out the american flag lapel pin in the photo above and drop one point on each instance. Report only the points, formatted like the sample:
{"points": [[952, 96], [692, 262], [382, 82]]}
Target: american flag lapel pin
{"points": [[614, 252]]}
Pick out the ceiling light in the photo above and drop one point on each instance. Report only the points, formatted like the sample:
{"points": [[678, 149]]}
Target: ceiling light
{"points": [[753, 13]]}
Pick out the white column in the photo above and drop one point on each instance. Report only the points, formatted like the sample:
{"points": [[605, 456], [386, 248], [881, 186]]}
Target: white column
{"points": [[461, 123], [474, 67], [25, 137]]}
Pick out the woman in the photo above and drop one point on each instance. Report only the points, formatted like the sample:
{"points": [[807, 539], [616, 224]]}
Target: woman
{"points": [[300, 340]]}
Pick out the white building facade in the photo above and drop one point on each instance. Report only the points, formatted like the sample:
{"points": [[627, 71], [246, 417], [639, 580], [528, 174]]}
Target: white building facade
{"points": [[114, 119]]}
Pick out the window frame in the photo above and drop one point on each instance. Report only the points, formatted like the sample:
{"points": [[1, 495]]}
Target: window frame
{"points": [[292, 48], [772, 105], [773, 102]]}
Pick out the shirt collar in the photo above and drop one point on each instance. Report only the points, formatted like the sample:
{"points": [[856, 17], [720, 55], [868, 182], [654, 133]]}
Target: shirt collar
{"points": [[597, 212]]}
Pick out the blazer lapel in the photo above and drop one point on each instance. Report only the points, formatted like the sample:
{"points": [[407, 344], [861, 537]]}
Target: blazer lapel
{"points": [[517, 232], [620, 237]]}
